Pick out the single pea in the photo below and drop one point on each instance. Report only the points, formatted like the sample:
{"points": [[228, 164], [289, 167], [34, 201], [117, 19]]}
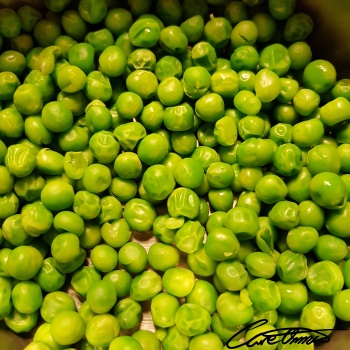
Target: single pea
{"points": [[189, 173], [104, 258], [92, 11], [289, 87], [183, 202], [291, 267], [49, 162], [163, 256], [341, 89], [101, 330], [189, 237], [221, 244], [54, 303], [264, 294], [244, 57], [232, 311], [13, 231], [193, 28], [260, 264], [182, 142], [121, 281], [133, 257], [125, 342], [12, 61], [67, 327], [145, 286], [330, 248], [48, 277], [178, 118], [26, 297], [204, 55], [161, 231], [232, 274], [118, 21], [302, 239], [244, 33], [196, 81], [266, 26], [201, 264], [171, 280], [147, 339], [57, 195], [276, 58], [243, 222], [247, 102], [123, 189], [73, 24], [173, 40], [298, 27], [19, 322], [144, 33], [128, 312], [28, 16], [267, 85], [24, 262], [9, 204]]}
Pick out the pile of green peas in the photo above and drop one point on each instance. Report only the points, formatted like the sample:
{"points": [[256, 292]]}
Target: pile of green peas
{"points": [[206, 124]]}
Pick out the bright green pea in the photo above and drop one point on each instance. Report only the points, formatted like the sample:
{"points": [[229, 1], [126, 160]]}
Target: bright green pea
{"points": [[267, 85], [334, 197], [86, 204], [157, 143], [98, 86], [104, 258], [217, 31], [330, 248], [178, 118], [118, 21], [142, 59], [24, 262], [183, 142], [129, 134], [14, 232], [36, 132], [300, 54], [193, 28], [26, 297], [232, 274], [170, 91], [287, 159], [123, 189], [29, 187], [323, 158], [9, 83], [9, 204], [57, 117], [276, 58], [144, 33], [205, 135], [189, 237], [325, 278], [291, 267], [244, 33], [142, 83], [266, 26], [145, 286], [308, 133], [298, 27], [71, 79], [172, 278], [54, 303], [284, 214], [19, 322], [247, 102], [57, 195], [113, 61], [183, 202], [83, 278], [225, 131], [173, 40], [189, 173], [128, 165], [196, 82], [133, 257], [232, 311], [124, 342], [302, 239], [100, 39], [48, 277], [116, 233], [49, 162], [163, 256], [12, 61], [101, 330], [289, 87], [67, 327], [82, 56], [75, 139], [101, 296], [201, 264], [251, 126], [244, 58], [204, 55], [341, 89], [221, 198], [335, 111], [73, 24], [121, 281], [264, 294], [192, 319]]}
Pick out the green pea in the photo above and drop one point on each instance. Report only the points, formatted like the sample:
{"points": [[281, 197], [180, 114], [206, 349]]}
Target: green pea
{"points": [[196, 82], [173, 40], [19, 322], [145, 286], [157, 143], [73, 24], [192, 319], [336, 194], [341, 89], [264, 294], [217, 31], [204, 55], [92, 11], [246, 80], [20, 160], [49, 162], [144, 33], [12, 61], [29, 187], [133, 257], [36, 132], [48, 277], [244, 58], [9, 83], [266, 26], [71, 324], [298, 27], [183, 142], [183, 202], [325, 278], [9, 204], [121, 281], [124, 342], [162, 256], [335, 111], [123, 189], [142, 83], [276, 58], [161, 231], [28, 16], [24, 262], [101, 330], [232, 274], [267, 85], [189, 236], [129, 134], [81, 55], [46, 31], [247, 102], [291, 267], [13, 231], [232, 311], [178, 118], [244, 33], [284, 214], [224, 82], [10, 23], [330, 248], [171, 278], [57, 195], [193, 28]]}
